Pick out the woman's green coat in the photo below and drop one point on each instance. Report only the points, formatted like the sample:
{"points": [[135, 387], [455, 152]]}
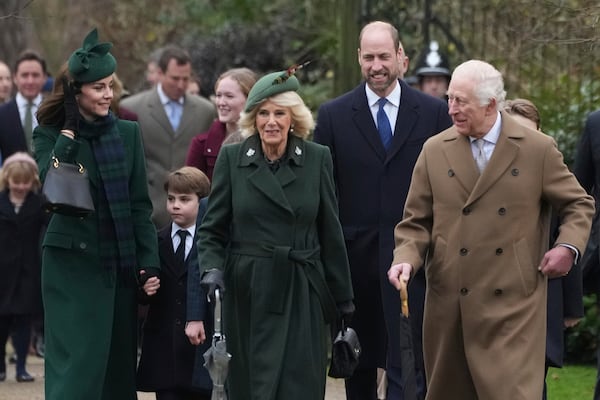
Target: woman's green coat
{"points": [[90, 319], [278, 240]]}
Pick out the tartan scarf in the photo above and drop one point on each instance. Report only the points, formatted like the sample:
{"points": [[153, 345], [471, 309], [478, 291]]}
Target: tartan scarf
{"points": [[117, 241]]}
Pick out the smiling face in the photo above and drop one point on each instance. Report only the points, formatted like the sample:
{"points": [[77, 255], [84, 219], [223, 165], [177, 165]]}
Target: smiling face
{"points": [[273, 123], [469, 117], [95, 97], [230, 100], [183, 208], [19, 188], [380, 63], [29, 78]]}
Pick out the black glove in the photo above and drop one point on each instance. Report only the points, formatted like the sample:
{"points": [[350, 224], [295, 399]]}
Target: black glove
{"points": [[346, 311], [148, 273], [212, 279], [72, 115]]}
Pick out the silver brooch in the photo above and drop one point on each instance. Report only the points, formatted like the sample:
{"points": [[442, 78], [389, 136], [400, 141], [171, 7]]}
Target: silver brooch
{"points": [[298, 151], [250, 152]]}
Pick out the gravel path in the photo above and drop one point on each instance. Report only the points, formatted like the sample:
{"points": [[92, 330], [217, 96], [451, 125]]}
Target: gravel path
{"points": [[12, 390]]}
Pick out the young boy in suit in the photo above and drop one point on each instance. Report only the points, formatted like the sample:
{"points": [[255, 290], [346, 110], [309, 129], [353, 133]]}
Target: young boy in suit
{"points": [[169, 364]]}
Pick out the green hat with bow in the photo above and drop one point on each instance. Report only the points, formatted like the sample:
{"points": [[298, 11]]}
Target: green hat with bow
{"points": [[272, 84], [92, 61]]}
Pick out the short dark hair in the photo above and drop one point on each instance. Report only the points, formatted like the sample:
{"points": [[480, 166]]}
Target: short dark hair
{"points": [[169, 53], [188, 180], [30, 55]]}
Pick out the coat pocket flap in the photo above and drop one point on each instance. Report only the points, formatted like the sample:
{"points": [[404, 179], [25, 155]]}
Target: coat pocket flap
{"points": [[54, 239]]}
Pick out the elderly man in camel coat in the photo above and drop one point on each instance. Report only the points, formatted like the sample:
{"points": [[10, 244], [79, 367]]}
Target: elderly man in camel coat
{"points": [[485, 235]]}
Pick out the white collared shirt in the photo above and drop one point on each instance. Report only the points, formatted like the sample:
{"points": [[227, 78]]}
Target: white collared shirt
{"points": [[175, 239], [166, 101], [489, 139], [22, 106], [390, 108]]}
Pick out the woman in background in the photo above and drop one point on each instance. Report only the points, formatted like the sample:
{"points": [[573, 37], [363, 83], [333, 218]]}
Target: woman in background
{"points": [[231, 91]]}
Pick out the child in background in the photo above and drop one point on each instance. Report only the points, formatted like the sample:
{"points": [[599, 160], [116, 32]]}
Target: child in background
{"points": [[168, 364], [22, 222]]}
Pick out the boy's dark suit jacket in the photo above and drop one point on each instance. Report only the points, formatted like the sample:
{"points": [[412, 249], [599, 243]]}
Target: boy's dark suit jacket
{"points": [[168, 359]]}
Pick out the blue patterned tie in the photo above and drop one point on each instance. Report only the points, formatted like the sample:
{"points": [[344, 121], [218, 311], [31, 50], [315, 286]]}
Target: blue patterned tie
{"points": [[383, 124], [175, 109]]}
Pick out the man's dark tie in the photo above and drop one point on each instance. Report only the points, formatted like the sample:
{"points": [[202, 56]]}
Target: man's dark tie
{"points": [[180, 252], [383, 124], [28, 125]]}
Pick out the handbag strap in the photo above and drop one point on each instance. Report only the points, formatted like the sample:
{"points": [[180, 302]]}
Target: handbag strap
{"points": [[56, 164]]}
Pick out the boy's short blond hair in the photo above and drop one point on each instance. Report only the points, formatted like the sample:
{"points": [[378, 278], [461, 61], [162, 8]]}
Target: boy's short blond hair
{"points": [[188, 180]]}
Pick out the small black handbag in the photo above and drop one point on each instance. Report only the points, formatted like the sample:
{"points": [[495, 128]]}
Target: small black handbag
{"points": [[345, 352], [67, 190]]}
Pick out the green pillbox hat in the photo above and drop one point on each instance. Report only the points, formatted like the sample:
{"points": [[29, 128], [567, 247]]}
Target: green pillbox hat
{"points": [[270, 85], [92, 61]]}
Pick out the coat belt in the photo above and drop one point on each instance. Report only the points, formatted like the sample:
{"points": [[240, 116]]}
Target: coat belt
{"points": [[284, 259]]}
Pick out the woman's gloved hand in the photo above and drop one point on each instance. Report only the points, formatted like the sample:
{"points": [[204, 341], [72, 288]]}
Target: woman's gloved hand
{"points": [[72, 115]]}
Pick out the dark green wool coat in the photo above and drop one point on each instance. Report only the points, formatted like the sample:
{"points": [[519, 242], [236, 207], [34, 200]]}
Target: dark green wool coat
{"points": [[278, 239], [90, 319]]}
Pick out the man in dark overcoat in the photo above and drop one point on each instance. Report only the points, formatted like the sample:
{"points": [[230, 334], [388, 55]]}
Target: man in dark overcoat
{"points": [[372, 183], [587, 171]]}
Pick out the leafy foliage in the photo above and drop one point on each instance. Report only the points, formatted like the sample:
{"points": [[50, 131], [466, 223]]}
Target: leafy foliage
{"points": [[582, 340]]}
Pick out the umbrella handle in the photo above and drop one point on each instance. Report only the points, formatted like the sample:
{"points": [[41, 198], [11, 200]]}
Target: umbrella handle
{"points": [[404, 296], [218, 314]]}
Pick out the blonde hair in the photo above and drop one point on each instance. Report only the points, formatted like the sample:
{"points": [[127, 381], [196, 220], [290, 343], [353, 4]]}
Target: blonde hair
{"points": [[188, 180], [20, 167], [302, 119]]}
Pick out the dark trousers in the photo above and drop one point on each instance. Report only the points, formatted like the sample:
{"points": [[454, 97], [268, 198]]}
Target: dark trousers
{"points": [[180, 394], [362, 385], [20, 325]]}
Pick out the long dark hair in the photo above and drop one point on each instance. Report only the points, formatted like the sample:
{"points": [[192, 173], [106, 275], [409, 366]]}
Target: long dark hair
{"points": [[52, 110]]}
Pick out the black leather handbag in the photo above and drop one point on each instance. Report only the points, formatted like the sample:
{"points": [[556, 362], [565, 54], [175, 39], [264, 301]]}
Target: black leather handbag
{"points": [[67, 190], [345, 353]]}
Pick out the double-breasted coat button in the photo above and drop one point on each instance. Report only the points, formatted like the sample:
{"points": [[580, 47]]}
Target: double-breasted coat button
{"points": [[514, 172], [499, 251], [177, 321], [466, 211], [464, 291], [498, 292], [450, 173], [464, 252], [82, 245], [502, 211]]}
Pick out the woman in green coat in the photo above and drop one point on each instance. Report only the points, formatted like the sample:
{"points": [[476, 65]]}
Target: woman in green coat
{"points": [[92, 266], [271, 238]]}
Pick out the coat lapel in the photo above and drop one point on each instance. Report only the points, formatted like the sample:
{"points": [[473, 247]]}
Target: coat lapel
{"points": [[405, 123], [270, 184], [504, 154], [165, 245], [457, 150], [157, 111], [363, 119]]}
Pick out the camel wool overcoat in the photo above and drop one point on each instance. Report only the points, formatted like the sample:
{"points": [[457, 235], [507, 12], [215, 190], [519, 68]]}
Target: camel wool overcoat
{"points": [[485, 310]]}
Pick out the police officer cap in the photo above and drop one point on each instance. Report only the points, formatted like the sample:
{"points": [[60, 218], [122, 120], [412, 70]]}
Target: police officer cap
{"points": [[433, 62]]}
